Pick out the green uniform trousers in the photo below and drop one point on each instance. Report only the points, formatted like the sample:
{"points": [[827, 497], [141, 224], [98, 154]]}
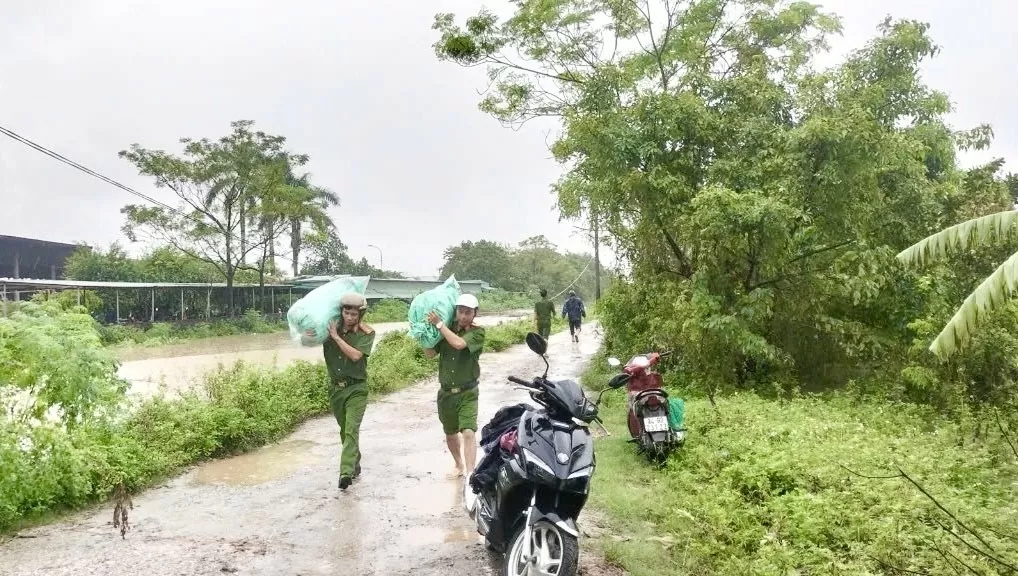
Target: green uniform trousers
{"points": [[544, 329], [457, 409], [348, 404]]}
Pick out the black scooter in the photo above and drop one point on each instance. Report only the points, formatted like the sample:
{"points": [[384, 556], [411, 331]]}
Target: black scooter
{"points": [[536, 477]]}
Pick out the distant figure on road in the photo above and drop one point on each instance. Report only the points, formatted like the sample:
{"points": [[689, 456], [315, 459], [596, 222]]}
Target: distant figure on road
{"points": [[543, 311], [574, 311], [459, 370], [346, 360]]}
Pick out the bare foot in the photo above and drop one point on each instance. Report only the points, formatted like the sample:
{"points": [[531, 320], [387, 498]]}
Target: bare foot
{"points": [[456, 473]]}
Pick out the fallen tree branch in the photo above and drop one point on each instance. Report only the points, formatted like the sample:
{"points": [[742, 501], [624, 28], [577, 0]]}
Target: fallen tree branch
{"points": [[991, 554], [1003, 433]]}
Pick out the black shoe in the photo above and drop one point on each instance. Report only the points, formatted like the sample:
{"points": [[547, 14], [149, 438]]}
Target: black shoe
{"points": [[344, 482], [357, 471]]}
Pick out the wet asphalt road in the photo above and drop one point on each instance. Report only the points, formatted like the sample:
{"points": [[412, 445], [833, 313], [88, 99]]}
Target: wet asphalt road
{"points": [[277, 511]]}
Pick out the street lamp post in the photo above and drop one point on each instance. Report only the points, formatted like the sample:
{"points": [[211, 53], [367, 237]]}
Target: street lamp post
{"points": [[381, 263]]}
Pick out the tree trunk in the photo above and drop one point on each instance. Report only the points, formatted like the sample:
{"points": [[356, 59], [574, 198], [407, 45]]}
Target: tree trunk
{"points": [[243, 235], [230, 273], [295, 245], [597, 263], [272, 253], [261, 279]]}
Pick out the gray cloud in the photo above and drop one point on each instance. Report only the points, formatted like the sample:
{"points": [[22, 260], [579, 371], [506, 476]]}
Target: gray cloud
{"points": [[356, 85]]}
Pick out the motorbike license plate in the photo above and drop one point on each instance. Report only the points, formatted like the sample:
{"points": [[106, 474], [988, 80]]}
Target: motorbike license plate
{"points": [[655, 424]]}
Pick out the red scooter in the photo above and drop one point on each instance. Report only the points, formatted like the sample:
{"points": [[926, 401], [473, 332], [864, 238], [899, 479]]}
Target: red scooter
{"points": [[655, 421]]}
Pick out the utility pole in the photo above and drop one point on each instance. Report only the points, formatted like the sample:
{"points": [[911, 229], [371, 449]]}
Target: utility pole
{"points": [[596, 232], [597, 262]]}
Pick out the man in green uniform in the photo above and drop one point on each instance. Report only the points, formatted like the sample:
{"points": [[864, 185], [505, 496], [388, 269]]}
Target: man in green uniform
{"points": [[346, 359], [543, 311], [459, 370]]}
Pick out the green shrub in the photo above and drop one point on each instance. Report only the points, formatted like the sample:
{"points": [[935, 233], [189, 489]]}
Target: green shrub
{"points": [[390, 310], [54, 357], [763, 487], [162, 333], [495, 301]]}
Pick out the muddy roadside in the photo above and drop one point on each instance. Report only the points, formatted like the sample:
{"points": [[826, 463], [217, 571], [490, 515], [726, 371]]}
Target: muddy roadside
{"points": [[278, 511]]}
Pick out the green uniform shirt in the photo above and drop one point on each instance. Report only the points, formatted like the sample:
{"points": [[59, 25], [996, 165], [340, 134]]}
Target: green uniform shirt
{"points": [[341, 368], [544, 310], [459, 367]]}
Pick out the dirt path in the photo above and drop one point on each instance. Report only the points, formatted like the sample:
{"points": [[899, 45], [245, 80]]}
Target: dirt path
{"points": [[277, 511]]}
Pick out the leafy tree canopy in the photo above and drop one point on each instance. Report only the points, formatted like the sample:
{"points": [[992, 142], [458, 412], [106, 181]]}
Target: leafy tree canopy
{"points": [[758, 201]]}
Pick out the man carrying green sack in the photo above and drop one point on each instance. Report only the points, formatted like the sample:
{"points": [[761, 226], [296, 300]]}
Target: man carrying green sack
{"points": [[346, 360], [459, 369], [543, 311]]}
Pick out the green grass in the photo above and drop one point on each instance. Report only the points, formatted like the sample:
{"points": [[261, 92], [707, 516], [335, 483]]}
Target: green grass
{"points": [[495, 301], [237, 409], [763, 487], [387, 311], [163, 333]]}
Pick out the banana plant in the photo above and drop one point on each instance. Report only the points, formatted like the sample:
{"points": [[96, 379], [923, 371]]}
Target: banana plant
{"points": [[992, 293]]}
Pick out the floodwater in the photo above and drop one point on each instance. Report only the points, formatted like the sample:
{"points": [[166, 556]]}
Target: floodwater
{"points": [[177, 367], [277, 510]]}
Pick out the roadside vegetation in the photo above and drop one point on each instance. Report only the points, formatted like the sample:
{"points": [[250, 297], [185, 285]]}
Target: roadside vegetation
{"points": [[69, 440], [254, 322], [807, 484], [852, 386], [163, 333]]}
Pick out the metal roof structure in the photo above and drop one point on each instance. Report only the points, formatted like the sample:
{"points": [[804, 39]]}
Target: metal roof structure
{"points": [[398, 288], [32, 257], [378, 288], [39, 284]]}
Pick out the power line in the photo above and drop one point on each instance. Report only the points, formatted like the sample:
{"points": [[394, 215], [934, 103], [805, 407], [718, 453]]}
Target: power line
{"points": [[57, 156], [573, 283]]}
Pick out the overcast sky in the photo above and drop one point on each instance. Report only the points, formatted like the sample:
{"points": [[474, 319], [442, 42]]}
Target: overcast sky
{"points": [[357, 87]]}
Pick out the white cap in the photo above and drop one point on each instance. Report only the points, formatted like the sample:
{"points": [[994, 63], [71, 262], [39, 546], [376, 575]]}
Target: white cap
{"points": [[468, 300]]}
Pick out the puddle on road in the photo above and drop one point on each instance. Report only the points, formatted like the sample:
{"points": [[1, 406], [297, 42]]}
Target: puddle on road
{"points": [[425, 535], [257, 467], [431, 498]]}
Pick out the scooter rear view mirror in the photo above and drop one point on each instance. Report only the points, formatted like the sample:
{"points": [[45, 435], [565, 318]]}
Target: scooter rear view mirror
{"points": [[537, 344], [618, 381]]}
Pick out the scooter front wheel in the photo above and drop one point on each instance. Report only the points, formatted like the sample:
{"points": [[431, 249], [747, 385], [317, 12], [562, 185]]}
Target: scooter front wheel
{"points": [[553, 552]]}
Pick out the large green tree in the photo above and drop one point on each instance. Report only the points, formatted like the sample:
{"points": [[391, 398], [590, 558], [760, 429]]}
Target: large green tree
{"points": [[481, 260], [758, 201], [534, 264], [220, 186], [312, 210]]}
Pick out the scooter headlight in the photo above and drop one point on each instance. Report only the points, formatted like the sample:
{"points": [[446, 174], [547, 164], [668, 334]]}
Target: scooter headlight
{"points": [[537, 468]]}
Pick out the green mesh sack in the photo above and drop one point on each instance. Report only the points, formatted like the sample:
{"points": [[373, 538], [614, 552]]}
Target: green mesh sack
{"points": [[319, 307], [441, 299], [676, 413]]}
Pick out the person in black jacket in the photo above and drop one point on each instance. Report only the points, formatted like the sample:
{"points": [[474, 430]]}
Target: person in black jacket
{"points": [[573, 310]]}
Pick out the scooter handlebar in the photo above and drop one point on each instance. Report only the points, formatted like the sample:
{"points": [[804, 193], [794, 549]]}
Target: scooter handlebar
{"points": [[521, 382]]}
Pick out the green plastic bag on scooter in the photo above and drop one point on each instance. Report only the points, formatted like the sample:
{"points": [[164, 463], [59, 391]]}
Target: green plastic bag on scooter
{"points": [[676, 414]]}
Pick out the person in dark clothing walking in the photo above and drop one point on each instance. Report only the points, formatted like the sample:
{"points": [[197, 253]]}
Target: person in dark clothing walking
{"points": [[573, 310], [543, 312]]}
